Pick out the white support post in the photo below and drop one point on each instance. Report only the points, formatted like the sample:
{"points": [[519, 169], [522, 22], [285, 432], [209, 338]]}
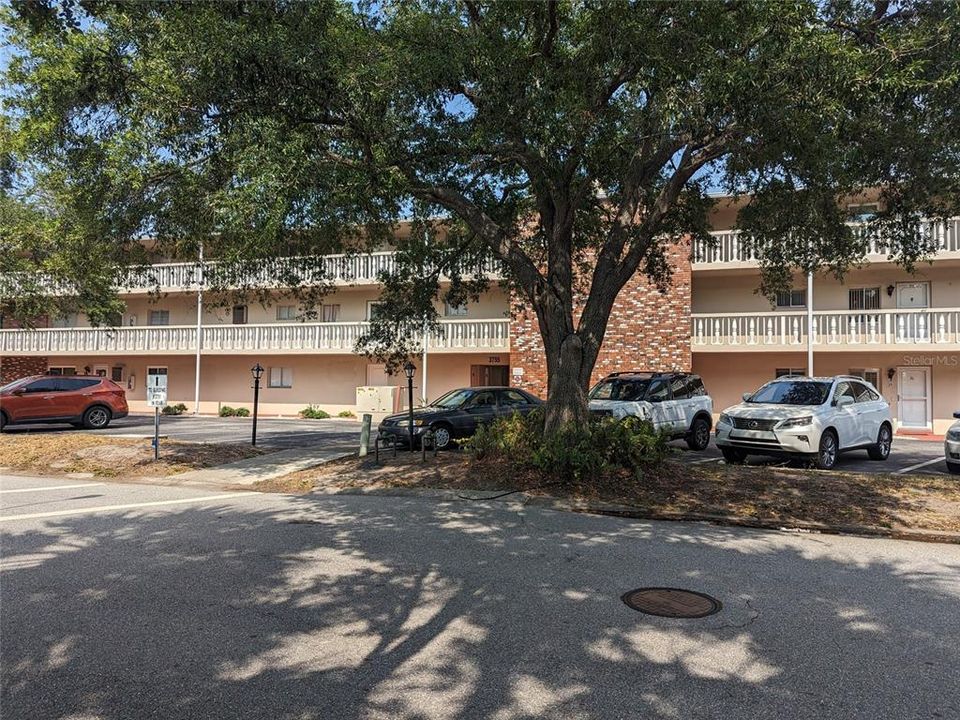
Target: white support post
{"points": [[810, 324], [196, 386], [423, 364]]}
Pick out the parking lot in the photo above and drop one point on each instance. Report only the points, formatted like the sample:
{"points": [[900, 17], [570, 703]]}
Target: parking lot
{"points": [[271, 432], [907, 455]]}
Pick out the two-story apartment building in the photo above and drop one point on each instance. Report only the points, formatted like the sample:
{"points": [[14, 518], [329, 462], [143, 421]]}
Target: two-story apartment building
{"points": [[900, 330]]}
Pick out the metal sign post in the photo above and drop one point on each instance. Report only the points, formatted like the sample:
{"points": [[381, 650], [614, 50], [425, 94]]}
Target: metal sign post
{"points": [[156, 398]]}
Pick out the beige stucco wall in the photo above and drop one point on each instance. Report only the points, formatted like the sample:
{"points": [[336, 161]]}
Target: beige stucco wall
{"points": [[353, 302], [727, 376], [736, 292], [327, 381]]}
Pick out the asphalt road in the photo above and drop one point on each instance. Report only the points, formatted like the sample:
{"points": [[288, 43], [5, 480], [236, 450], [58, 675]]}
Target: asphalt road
{"points": [[913, 456], [130, 601], [271, 432]]}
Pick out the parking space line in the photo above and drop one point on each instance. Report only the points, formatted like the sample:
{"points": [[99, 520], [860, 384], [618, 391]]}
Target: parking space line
{"points": [[705, 460], [919, 465], [128, 506], [50, 487]]}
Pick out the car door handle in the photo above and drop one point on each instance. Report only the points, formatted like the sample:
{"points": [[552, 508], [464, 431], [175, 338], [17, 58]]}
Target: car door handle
{"points": [[48, 397]]}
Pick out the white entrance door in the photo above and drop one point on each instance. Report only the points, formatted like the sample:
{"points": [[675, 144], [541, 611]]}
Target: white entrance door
{"points": [[914, 403], [913, 326]]}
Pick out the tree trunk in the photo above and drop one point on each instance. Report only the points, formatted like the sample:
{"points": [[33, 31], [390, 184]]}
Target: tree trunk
{"points": [[567, 379]]}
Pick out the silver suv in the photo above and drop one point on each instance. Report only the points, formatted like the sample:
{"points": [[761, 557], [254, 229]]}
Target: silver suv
{"points": [[818, 417], [951, 446], [676, 403]]}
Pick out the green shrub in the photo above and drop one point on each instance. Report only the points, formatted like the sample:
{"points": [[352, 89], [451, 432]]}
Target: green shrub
{"points": [[346, 414], [178, 409], [242, 412], [227, 411], [312, 412], [576, 452]]}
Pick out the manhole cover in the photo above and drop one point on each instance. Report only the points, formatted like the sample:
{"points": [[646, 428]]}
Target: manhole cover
{"points": [[671, 602]]}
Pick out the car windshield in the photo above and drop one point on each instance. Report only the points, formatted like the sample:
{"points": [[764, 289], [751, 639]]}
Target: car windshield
{"points": [[14, 385], [620, 389], [799, 392], [453, 399]]}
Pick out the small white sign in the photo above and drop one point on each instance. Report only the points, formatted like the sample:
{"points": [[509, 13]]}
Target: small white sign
{"points": [[518, 372], [157, 397], [157, 382]]}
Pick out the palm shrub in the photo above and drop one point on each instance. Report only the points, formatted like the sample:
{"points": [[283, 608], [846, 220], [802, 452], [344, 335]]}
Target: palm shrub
{"points": [[576, 452], [312, 412]]}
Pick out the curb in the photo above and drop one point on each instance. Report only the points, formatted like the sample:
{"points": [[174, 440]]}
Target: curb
{"points": [[632, 512]]}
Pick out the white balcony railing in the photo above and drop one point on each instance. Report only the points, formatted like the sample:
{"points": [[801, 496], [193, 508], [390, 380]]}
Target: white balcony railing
{"points": [[833, 329], [730, 246], [455, 336]]}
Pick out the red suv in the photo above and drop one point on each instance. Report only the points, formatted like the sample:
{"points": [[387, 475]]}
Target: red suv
{"points": [[81, 400]]}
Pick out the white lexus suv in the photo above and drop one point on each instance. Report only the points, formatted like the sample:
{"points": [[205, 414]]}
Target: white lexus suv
{"points": [[816, 417], [951, 446], [676, 403]]}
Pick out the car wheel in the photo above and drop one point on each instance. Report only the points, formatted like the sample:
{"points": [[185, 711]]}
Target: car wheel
{"points": [[96, 417], [954, 468], [732, 456], [881, 451], [826, 457], [699, 436], [442, 437], [3, 420]]}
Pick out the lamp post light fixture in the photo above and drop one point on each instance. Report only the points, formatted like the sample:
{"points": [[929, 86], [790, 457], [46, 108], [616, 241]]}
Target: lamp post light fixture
{"points": [[257, 372], [409, 369]]}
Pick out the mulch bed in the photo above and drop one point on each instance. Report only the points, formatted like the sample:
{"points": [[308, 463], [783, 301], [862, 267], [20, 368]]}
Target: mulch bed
{"points": [[768, 495], [62, 453]]}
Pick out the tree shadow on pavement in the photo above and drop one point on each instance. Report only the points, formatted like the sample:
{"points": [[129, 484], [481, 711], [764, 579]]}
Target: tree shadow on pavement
{"points": [[363, 607]]}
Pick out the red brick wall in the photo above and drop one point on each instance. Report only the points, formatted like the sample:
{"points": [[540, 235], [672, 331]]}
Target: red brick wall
{"points": [[13, 368], [648, 330]]}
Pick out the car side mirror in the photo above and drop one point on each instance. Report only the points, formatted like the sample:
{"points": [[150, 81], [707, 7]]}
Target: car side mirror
{"points": [[746, 396], [19, 391], [957, 415], [844, 401]]}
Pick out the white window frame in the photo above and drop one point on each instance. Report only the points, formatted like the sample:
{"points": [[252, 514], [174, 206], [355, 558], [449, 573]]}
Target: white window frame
{"points": [[790, 293], [151, 368], [246, 315], [334, 309], [862, 374], [286, 377], [790, 372], [158, 313], [370, 305], [862, 292], [286, 313]]}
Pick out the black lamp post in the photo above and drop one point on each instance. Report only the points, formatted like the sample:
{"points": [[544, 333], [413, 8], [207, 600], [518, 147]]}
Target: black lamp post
{"points": [[409, 369], [257, 372]]}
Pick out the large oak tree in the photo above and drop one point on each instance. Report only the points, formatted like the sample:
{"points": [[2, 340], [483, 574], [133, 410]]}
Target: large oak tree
{"points": [[569, 140]]}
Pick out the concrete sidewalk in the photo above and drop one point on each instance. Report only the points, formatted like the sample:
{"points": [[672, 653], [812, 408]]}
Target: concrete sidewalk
{"points": [[266, 467]]}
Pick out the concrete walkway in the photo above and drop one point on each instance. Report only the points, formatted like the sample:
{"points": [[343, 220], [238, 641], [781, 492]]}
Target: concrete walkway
{"points": [[266, 467]]}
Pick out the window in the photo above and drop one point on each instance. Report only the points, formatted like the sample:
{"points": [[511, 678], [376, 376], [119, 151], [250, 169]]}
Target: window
{"points": [[863, 393], [281, 377], [116, 373], [483, 399], [512, 398], [692, 387], [454, 310], [61, 370], [330, 313], [678, 386], [862, 213], [659, 391], [865, 298], [843, 389], [374, 309], [286, 312], [68, 384], [67, 320], [625, 390], [871, 375], [790, 372], [159, 317], [239, 314], [46, 385], [792, 298]]}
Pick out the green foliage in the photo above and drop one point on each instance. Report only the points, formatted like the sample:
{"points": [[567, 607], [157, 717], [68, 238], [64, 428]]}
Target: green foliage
{"points": [[242, 412], [575, 452], [346, 414], [312, 412], [227, 411], [178, 409]]}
